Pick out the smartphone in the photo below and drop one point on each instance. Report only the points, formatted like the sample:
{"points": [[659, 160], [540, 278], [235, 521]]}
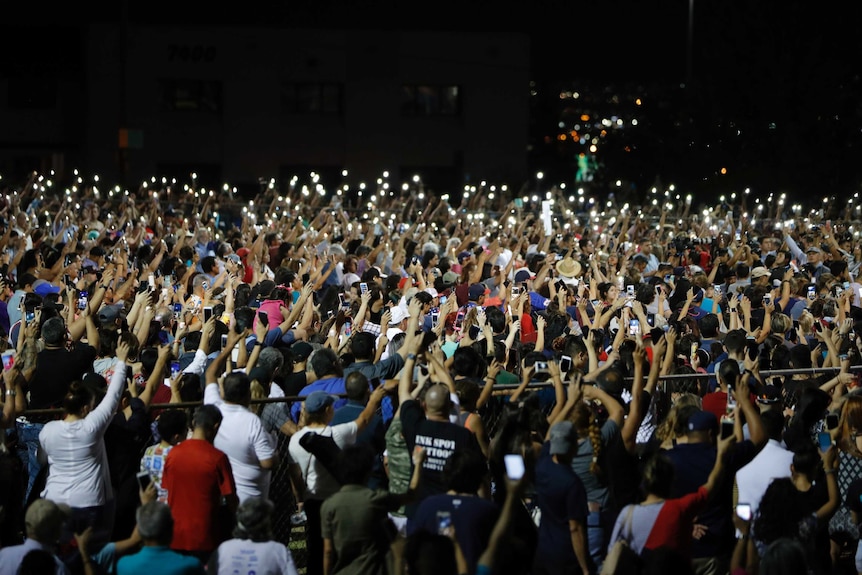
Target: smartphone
{"points": [[516, 290], [514, 466], [668, 278], [824, 439], [82, 300], [30, 315], [630, 290], [541, 367], [459, 319], [152, 282], [8, 360], [444, 522], [144, 480], [565, 363], [442, 299], [716, 289], [263, 318], [812, 293], [519, 203], [175, 368], [342, 301], [744, 511], [634, 327], [347, 327], [726, 428], [831, 420], [474, 331], [753, 350], [208, 313], [435, 317], [767, 298], [363, 287], [223, 340]]}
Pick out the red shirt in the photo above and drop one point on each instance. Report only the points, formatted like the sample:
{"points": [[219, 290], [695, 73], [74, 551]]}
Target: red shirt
{"points": [[715, 402], [673, 525], [197, 475]]}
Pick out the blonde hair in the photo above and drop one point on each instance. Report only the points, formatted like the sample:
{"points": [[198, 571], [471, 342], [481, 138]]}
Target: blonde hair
{"points": [[850, 424], [781, 323], [806, 321]]}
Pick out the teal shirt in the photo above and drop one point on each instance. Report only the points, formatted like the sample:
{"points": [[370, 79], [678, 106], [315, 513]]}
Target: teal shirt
{"points": [[169, 562]]}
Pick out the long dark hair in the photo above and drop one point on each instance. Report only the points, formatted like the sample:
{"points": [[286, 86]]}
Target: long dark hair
{"points": [[779, 512]]}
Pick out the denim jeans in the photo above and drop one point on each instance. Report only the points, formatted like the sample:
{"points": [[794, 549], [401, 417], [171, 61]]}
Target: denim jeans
{"points": [[28, 452], [599, 531]]}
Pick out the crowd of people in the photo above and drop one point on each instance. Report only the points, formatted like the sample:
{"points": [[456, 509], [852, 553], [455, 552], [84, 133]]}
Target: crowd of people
{"points": [[466, 390]]}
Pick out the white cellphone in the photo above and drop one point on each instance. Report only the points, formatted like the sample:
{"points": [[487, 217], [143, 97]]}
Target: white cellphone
{"points": [[514, 466]]}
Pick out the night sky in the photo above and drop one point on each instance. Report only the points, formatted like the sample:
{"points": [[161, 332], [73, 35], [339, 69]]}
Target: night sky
{"points": [[774, 96]]}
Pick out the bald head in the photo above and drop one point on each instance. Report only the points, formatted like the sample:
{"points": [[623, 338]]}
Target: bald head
{"points": [[437, 400]]}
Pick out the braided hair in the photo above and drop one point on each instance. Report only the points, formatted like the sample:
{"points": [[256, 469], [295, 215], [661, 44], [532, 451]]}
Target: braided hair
{"points": [[586, 422]]}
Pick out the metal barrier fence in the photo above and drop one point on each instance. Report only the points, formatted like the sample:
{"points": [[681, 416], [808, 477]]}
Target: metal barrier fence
{"points": [[281, 492]]}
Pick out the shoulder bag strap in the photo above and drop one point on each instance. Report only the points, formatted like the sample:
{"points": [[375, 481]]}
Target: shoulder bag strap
{"points": [[627, 527]]}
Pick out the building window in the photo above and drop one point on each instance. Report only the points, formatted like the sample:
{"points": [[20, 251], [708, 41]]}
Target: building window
{"points": [[428, 100], [312, 98], [186, 95]]}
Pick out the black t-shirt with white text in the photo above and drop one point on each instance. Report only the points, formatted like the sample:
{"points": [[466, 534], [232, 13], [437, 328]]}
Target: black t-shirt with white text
{"points": [[440, 440]]}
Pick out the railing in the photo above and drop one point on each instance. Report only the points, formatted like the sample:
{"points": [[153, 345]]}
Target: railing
{"points": [[280, 488]]}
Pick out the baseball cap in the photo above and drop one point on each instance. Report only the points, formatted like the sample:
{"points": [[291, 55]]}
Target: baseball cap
{"points": [[523, 275], [464, 255], [242, 252], [402, 283], [476, 291], [811, 249], [702, 420], [301, 350], [562, 437], [760, 272], [769, 394], [450, 278], [44, 287], [398, 314], [317, 401], [109, 313]]}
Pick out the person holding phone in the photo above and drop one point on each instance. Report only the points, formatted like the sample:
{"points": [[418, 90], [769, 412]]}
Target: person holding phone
{"points": [[472, 516], [792, 508], [75, 450], [692, 461]]}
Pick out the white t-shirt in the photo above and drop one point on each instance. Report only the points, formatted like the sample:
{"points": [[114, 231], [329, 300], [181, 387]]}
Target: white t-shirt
{"points": [[78, 472], [246, 556], [244, 440], [319, 482]]}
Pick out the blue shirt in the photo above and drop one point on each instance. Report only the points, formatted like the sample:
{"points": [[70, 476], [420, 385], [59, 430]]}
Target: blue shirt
{"points": [[331, 385]]}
